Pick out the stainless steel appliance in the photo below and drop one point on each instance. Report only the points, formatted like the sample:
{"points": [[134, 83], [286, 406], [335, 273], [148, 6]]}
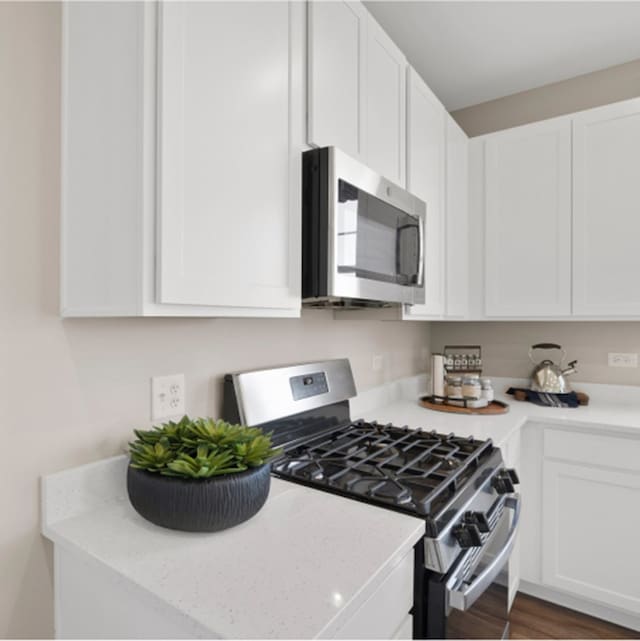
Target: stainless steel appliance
{"points": [[458, 485], [363, 236], [548, 377]]}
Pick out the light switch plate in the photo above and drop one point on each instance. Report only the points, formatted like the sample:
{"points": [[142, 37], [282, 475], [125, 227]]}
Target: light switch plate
{"points": [[167, 396]]}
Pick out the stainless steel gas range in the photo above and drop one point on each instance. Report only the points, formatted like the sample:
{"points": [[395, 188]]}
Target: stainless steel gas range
{"points": [[458, 485]]}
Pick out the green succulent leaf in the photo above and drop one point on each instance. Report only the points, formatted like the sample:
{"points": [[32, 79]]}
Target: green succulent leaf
{"points": [[200, 448]]}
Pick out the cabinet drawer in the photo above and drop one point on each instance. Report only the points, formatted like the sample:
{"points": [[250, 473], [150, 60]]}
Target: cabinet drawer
{"points": [[384, 614], [605, 450]]}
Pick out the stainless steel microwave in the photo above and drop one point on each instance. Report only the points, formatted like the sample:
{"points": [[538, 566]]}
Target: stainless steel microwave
{"points": [[363, 237]]}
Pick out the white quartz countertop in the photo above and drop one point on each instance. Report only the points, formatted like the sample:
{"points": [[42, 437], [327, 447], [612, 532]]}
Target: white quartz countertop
{"points": [[299, 569], [617, 407]]}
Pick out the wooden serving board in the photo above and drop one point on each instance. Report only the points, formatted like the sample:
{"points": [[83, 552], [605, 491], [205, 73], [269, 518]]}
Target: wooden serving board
{"points": [[495, 407]]}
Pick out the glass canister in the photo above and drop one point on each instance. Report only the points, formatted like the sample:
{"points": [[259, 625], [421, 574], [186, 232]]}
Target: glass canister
{"points": [[471, 387], [487, 389], [454, 387]]}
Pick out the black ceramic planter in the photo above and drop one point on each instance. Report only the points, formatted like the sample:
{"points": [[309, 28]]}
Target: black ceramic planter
{"points": [[199, 505]]}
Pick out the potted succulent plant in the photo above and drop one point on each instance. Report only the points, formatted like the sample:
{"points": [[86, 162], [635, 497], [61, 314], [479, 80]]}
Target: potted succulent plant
{"points": [[199, 475]]}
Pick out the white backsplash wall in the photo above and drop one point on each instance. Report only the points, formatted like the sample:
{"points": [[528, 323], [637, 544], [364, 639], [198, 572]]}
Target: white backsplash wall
{"points": [[505, 346], [71, 391]]}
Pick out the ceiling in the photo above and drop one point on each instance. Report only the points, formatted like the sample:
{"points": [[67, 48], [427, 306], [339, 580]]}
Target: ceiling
{"points": [[471, 52]]}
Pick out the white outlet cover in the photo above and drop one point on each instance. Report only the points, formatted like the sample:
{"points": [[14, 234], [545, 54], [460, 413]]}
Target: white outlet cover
{"points": [[621, 359], [167, 397], [378, 362]]}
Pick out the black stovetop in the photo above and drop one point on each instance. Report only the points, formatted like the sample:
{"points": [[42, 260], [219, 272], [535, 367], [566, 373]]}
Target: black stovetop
{"points": [[413, 471]]}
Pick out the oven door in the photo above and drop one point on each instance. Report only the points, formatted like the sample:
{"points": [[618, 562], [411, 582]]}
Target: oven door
{"points": [[476, 590]]}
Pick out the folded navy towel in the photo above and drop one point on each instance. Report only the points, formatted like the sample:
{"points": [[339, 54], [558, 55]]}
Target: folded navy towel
{"points": [[547, 399]]}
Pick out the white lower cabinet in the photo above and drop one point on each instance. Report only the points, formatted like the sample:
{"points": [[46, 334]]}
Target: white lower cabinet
{"points": [[183, 127], [405, 631], [117, 608], [590, 538], [385, 614], [580, 522], [590, 516]]}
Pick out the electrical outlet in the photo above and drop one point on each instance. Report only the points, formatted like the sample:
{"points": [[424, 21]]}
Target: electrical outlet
{"points": [[617, 359], [378, 362], [167, 396]]}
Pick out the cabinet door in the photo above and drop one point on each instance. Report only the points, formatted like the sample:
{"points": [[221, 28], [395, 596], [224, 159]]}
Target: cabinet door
{"points": [[426, 179], [590, 532], [229, 169], [528, 221], [385, 105], [606, 215], [337, 49], [456, 221]]}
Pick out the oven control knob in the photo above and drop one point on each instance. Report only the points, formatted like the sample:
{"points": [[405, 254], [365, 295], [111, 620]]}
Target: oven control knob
{"points": [[504, 481], [479, 519], [468, 535], [513, 475]]}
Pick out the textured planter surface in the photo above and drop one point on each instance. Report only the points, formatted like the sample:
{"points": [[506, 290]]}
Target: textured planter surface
{"points": [[205, 505]]}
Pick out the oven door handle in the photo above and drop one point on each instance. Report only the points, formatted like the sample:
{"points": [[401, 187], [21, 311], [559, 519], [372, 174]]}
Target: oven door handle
{"points": [[464, 596]]}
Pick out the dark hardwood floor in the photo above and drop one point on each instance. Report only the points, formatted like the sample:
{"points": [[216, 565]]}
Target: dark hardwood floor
{"points": [[533, 618]]}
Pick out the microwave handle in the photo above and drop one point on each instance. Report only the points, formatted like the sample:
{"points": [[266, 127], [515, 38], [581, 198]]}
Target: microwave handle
{"points": [[422, 221], [466, 595], [420, 229]]}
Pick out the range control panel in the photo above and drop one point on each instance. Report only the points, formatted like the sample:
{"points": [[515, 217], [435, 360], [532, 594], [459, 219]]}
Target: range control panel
{"points": [[308, 385]]}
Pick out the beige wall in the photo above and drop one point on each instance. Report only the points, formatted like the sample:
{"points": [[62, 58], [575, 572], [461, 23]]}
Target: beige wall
{"points": [[71, 391], [583, 92], [505, 344]]}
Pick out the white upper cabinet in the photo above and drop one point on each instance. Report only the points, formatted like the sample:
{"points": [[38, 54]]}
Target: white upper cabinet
{"points": [[385, 105], [183, 127], [356, 87], [528, 221], [426, 128], [606, 216], [337, 47], [225, 155], [456, 221]]}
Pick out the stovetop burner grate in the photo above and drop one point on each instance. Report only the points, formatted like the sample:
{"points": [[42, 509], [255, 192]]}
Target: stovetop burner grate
{"points": [[412, 470]]}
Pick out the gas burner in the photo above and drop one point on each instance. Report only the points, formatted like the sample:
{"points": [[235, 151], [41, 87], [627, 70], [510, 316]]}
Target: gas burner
{"points": [[447, 462], [379, 452]]}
